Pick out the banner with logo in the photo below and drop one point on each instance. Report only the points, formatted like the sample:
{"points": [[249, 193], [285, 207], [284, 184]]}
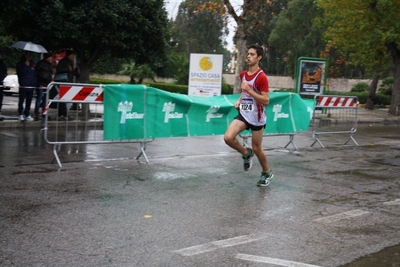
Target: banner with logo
{"points": [[138, 111]]}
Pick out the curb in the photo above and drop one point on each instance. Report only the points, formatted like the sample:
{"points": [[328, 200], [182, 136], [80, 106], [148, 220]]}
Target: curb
{"points": [[375, 106]]}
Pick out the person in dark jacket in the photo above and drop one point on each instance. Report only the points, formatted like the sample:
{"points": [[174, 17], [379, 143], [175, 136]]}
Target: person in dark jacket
{"points": [[65, 66], [44, 76], [27, 84], [3, 75]]}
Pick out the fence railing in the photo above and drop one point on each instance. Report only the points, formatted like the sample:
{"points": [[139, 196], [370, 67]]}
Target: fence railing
{"points": [[334, 115], [75, 127]]}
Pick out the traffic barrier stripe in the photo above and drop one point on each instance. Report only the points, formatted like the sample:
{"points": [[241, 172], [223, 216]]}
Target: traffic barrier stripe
{"points": [[81, 93], [329, 101]]}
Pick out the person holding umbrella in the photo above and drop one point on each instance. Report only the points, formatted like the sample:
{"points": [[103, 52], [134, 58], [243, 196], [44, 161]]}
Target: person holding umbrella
{"points": [[27, 83], [44, 75]]}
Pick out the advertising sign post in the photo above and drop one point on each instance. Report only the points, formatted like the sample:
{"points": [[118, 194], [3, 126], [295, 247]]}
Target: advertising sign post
{"points": [[311, 76], [205, 75]]}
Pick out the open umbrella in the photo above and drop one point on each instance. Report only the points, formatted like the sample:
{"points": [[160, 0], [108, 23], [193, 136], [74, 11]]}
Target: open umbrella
{"points": [[29, 46]]}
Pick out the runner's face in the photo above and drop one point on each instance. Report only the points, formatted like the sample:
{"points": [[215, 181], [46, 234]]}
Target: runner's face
{"points": [[252, 58]]}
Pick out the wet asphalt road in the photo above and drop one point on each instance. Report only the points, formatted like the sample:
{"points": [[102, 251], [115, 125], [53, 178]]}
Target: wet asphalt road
{"points": [[193, 205]]}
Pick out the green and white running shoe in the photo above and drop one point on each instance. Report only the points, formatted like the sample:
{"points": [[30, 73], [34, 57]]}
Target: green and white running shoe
{"points": [[266, 178]]}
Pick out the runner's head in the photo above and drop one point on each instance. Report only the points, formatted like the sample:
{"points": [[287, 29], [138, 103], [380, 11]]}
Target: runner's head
{"points": [[259, 50]]}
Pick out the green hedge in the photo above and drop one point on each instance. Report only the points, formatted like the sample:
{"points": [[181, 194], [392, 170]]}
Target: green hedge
{"points": [[104, 81], [169, 87], [380, 98]]}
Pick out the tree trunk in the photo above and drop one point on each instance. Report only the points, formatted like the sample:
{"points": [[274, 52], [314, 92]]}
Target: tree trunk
{"points": [[240, 38], [241, 47], [395, 101], [372, 92], [85, 74]]}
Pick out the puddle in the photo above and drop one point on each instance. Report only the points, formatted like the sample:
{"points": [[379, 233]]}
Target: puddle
{"points": [[389, 257], [391, 162]]}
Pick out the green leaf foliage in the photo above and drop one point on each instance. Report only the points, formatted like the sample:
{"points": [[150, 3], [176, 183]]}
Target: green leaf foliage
{"points": [[294, 34], [369, 32], [134, 29], [362, 29], [386, 86], [360, 87]]}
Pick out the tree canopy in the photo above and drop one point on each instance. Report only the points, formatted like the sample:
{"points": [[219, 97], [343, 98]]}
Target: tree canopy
{"points": [[367, 30], [253, 16], [294, 34], [195, 29], [199, 30], [135, 29]]}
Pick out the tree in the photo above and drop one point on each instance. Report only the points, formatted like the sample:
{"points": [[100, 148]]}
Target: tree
{"points": [[255, 14], [242, 31], [368, 31], [137, 71], [134, 29], [294, 35], [199, 30], [180, 63], [274, 60], [252, 17]]}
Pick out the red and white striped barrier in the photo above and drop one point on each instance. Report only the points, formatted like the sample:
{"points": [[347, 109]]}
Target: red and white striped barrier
{"points": [[336, 101], [81, 93]]}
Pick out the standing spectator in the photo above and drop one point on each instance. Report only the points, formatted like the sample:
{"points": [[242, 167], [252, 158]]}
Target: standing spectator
{"points": [[3, 74], [65, 67], [27, 82], [44, 75]]}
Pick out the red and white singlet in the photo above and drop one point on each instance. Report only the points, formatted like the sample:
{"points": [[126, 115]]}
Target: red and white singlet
{"points": [[252, 112]]}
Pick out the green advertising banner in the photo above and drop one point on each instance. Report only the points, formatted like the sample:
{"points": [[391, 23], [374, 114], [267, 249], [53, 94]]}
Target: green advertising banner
{"points": [[138, 111]]}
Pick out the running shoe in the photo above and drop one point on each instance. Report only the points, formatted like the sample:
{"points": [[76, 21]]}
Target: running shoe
{"points": [[248, 159], [265, 179], [29, 118], [21, 118]]}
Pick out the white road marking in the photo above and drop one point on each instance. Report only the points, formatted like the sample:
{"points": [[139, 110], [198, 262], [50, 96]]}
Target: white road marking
{"points": [[273, 261], [394, 202], [341, 216], [230, 242]]}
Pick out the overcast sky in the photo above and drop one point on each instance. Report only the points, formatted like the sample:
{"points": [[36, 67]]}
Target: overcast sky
{"points": [[172, 9]]}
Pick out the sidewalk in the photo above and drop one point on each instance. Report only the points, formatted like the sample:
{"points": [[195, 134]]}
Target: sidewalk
{"points": [[10, 114]]}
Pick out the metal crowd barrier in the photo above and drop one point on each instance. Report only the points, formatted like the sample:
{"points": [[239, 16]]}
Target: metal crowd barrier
{"points": [[334, 115], [85, 126], [245, 138]]}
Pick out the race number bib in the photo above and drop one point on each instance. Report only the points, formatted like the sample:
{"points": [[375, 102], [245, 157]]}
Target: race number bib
{"points": [[247, 104]]}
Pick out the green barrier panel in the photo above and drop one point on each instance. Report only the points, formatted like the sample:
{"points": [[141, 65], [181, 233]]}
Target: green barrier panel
{"points": [[166, 114], [124, 110], [138, 111]]}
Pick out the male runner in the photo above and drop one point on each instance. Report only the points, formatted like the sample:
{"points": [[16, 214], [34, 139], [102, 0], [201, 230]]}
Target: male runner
{"points": [[251, 105]]}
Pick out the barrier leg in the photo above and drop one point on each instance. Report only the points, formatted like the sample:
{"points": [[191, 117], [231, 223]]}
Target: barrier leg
{"points": [[245, 141], [56, 148], [291, 137], [351, 138], [143, 151], [317, 140]]}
